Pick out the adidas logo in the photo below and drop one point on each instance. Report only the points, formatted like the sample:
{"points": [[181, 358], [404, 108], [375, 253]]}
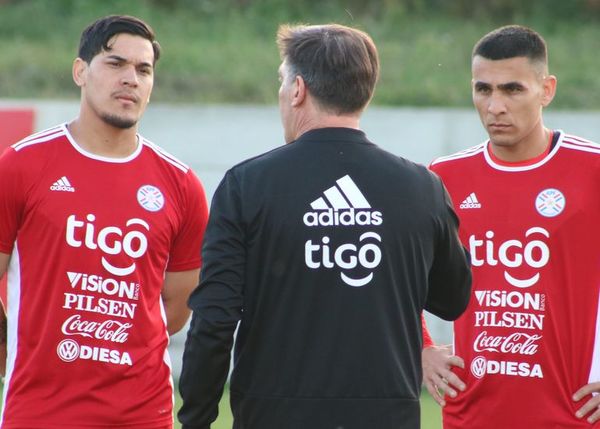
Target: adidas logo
{"points": [[342, 204], [62, 184], [470, 202]]}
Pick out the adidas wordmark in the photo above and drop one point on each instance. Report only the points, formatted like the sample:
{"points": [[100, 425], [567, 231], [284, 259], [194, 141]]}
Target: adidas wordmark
{"points": [[470, 202], [62, 184]]}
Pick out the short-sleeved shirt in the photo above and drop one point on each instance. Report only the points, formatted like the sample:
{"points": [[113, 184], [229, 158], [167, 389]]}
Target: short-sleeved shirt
{"points": [[90, 240], [530, 337]]}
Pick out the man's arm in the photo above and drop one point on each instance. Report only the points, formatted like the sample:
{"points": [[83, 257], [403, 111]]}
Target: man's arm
{"points": [[450, 274], [217, 308], [3, 322], [176, 291], [592, 406]]}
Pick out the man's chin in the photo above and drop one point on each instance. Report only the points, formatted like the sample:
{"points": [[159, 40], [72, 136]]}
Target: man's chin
{"points": [[119, 121]]}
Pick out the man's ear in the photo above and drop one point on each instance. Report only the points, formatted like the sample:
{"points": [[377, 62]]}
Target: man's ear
{"points": [[549, 86], [299, 94], [79, 71]]}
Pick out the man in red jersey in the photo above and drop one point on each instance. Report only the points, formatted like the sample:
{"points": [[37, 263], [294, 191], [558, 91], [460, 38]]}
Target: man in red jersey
{"points": [[528, 205], [100, 234]]}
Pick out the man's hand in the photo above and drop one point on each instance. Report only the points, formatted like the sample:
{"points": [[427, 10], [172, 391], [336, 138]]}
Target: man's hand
{"points": [[592, 405], [438, 379]]}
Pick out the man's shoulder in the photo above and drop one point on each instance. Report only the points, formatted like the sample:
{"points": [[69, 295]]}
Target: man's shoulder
{"points": [[272, 157], [579, 144], [41, 140], [164, 157], [459, 158]]}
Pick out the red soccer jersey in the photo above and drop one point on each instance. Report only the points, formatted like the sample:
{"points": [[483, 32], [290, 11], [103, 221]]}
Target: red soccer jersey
{"points": [[90, 239], [530, 337]]}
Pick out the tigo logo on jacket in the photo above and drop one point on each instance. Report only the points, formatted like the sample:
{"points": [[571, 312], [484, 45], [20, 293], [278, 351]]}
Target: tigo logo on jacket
{"points": [[344, 205]]}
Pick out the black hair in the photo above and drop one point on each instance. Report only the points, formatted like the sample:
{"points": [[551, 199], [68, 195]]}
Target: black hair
{"points": [[339, 64], [512, 41], [97, 35]]}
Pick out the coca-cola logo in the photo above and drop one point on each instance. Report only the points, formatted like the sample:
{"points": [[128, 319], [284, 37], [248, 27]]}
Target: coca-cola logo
{"points": [[67, 350], [108, 330], [516, 343]]}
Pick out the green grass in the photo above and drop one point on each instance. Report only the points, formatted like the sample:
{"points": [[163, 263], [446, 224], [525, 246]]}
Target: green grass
{"points": [[430, 412], [431, 417], [224, 52]]}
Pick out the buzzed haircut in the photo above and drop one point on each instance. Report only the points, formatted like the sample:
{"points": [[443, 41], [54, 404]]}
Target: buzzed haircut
{"points": [[339, 65], [95, 38], [512, 41]]}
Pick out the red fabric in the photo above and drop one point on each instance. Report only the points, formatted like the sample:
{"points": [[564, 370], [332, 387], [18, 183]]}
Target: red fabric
{"points": [[529, 337], [94, 237], [427, 340]]}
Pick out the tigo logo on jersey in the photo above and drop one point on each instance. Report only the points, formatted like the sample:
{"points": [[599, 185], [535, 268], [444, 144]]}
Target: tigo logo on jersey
{"points": [[512, 253], [470, 202], [62, 184], [150, 198], [111, 240], [341, 206], [550, 202]]}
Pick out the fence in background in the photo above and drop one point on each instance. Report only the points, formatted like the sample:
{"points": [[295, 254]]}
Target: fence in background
{"points": [[211, 139]]}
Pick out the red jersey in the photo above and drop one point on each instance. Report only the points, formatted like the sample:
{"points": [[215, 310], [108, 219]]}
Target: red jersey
{"points": [[530, 337], [90, 240]]}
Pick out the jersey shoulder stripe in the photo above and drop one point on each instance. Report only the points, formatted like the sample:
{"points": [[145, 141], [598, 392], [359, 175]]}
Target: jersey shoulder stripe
{"points": [[165, 155], [577, 143], [576, 139], [40, 137], [580, 147], [472, 151]]}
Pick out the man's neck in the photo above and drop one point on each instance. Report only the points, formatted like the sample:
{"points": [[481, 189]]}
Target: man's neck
{"points": [[324, 120], [533, 146], [99, 138]]}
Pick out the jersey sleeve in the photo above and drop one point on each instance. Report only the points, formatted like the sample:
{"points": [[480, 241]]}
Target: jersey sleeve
{"points": [[427, 340], [12, 197], [185, 250]]}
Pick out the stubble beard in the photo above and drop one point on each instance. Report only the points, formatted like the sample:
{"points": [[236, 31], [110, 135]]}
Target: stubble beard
{"points": [[118, 121]]}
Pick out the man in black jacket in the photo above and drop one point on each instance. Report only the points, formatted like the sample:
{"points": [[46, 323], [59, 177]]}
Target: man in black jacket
{"points": [[325, 250]]}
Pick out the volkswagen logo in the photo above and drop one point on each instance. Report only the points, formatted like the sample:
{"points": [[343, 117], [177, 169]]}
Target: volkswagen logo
{"points": [[478, 366], [68, 350]]}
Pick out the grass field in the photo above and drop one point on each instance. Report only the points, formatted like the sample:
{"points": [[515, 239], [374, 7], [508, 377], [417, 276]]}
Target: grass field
{"points": [[224, 51], [430, 413]]}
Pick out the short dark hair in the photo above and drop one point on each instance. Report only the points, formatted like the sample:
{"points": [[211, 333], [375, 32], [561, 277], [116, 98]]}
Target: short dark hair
{"points": [[97, 35], [339, 64], [512, 41]]}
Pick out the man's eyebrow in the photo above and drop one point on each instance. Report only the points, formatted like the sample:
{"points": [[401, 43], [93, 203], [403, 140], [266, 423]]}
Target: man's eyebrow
{"points": [[511, 85], [116, 57], [121, 59], [502, 86]]}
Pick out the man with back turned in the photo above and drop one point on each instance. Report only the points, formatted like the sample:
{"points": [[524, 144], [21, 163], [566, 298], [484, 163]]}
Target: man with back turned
{"points": [[325, 251]]}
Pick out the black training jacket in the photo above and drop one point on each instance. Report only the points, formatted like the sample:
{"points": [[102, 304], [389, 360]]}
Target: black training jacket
{"points": [[326, 251]]}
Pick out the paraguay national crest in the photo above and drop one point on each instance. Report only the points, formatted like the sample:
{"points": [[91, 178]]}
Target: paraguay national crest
{"points": [[343, 205]]}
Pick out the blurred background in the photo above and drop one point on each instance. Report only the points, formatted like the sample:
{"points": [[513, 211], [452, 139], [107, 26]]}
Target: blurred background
{"points": [[215, 94]]}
